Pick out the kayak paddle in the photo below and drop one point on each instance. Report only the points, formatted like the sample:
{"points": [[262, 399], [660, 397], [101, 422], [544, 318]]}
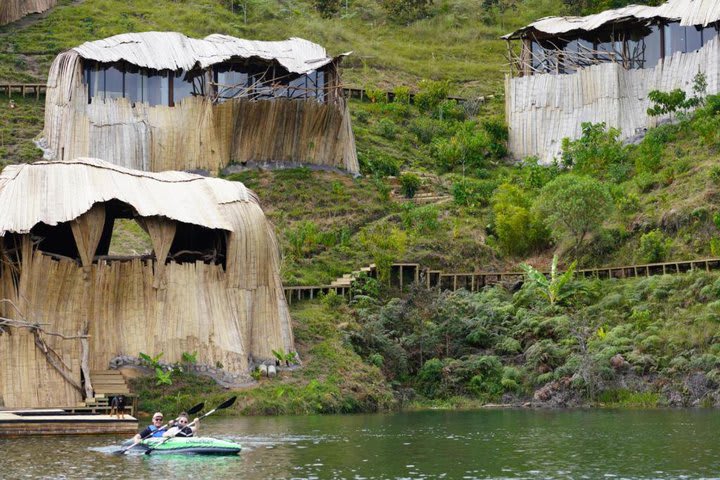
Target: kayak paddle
{"points": [[192, 410]]}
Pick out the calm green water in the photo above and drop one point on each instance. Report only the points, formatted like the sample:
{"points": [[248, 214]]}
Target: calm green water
{"points": [[492, 444]]}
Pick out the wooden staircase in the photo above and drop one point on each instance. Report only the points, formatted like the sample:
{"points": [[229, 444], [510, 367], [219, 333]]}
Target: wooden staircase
{"points": [[106, 385]]}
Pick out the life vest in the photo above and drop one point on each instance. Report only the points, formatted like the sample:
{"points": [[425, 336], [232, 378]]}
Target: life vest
{"points": [[156, 432]]}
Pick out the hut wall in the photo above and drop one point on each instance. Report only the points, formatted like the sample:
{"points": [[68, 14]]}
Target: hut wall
{"points": [[541, 110], [11, 10], [194, 134], [225, 314]]}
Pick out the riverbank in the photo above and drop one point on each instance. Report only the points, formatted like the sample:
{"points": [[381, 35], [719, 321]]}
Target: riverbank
{"points": [[645, 343]]}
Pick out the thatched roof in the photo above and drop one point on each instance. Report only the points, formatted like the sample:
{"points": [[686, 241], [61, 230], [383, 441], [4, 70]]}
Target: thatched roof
{"points": [[174, 51], [688, 12], [55, 192]]}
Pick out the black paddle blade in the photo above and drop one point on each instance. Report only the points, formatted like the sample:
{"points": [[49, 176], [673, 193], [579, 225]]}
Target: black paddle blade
{"points": [[196, 408], [226, 403]]}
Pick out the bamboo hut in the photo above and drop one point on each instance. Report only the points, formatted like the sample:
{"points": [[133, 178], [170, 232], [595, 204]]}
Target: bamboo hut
{"points": [[600, 68], [159, 101], [211, 285], [11, 10]]}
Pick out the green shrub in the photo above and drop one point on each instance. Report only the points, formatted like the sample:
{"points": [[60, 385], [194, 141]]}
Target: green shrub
{"points": [[386, 128], [430, 377], [597, 152], [331, 299], [473, 193], [378, 164], [498, 133], [654, 246], [519, 230], [545, 353], [450, 110], [303, 238], [402, 94], [327, 8], [508, 346], [715, 172], [430, 94], [409, 184], [420, 219], [406, 11], [374, 94], [469, 147], [646, 182], [715, 247], [426, 129]]}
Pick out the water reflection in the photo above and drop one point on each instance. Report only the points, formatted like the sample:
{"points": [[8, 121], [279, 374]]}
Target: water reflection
{"points": [[515, 444]]}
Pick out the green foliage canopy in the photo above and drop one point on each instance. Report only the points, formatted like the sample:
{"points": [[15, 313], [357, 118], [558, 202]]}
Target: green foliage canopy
{"points": [[574, 206]]}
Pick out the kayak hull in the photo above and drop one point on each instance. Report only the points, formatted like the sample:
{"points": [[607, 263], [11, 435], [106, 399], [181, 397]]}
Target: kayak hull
{"points": [[190, 446]]}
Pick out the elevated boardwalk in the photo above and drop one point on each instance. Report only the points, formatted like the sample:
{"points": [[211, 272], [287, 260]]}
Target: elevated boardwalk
{"points": [[403, 275]]}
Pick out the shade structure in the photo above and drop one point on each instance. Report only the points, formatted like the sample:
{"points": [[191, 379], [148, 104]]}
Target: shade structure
{"points": [[212, 286]]}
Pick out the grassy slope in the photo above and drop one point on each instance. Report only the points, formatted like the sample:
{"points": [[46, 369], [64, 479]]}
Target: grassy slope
{"points": [[455, 44], [460, 42]]}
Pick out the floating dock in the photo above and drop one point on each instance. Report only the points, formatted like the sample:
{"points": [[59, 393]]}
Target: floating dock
{"points": [[61, 422]]}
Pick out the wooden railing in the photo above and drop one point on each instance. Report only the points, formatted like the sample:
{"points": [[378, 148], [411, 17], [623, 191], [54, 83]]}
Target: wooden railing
{"points": [[24, 88], [404, 274], [361, 94]]}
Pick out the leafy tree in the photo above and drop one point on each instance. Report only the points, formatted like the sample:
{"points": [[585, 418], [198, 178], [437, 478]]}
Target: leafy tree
{"points": [[409, 184], [677, 100], [574, 206], [518, 229]]}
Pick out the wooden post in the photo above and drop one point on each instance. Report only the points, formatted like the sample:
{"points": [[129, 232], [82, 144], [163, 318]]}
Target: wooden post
{"points": [[401, 278], [454, 282]]}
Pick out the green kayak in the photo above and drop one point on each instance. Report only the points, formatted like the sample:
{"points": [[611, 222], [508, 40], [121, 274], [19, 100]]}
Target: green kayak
{"points": [[190, 446]]}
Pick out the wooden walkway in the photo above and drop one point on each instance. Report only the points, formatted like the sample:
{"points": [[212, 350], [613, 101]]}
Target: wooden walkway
{"points": [[404, 274], [36, 89], [24, 88]]}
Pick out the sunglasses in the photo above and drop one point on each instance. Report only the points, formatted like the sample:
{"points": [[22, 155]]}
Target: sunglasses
{"points": [[183, 422], [157, 418]]}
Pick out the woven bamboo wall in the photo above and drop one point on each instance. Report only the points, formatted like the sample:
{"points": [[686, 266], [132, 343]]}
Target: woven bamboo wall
{"points": [[225, 315], [11, 10], [195, 134], [541, 110]]}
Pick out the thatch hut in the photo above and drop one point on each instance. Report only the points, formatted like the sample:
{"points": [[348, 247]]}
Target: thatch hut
{"points": [[160, 101], [11, 10], [211, 284], [600, 68]]}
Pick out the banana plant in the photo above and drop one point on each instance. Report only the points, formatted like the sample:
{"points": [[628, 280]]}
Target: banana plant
{"points": [[556, 288]]}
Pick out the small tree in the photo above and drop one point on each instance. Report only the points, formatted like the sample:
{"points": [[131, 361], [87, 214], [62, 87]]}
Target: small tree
{"points": [[574, 206], [410, 184]]}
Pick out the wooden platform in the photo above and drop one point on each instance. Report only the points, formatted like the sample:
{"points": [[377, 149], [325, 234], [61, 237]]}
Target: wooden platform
{"points": [[61, 422]]}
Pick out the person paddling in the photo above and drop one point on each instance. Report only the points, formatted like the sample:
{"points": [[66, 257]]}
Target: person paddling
{"points": [[183, 427], [155, 429]]}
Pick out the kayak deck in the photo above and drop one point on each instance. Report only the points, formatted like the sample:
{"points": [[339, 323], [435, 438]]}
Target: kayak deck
{"points": [[190, 446]]}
